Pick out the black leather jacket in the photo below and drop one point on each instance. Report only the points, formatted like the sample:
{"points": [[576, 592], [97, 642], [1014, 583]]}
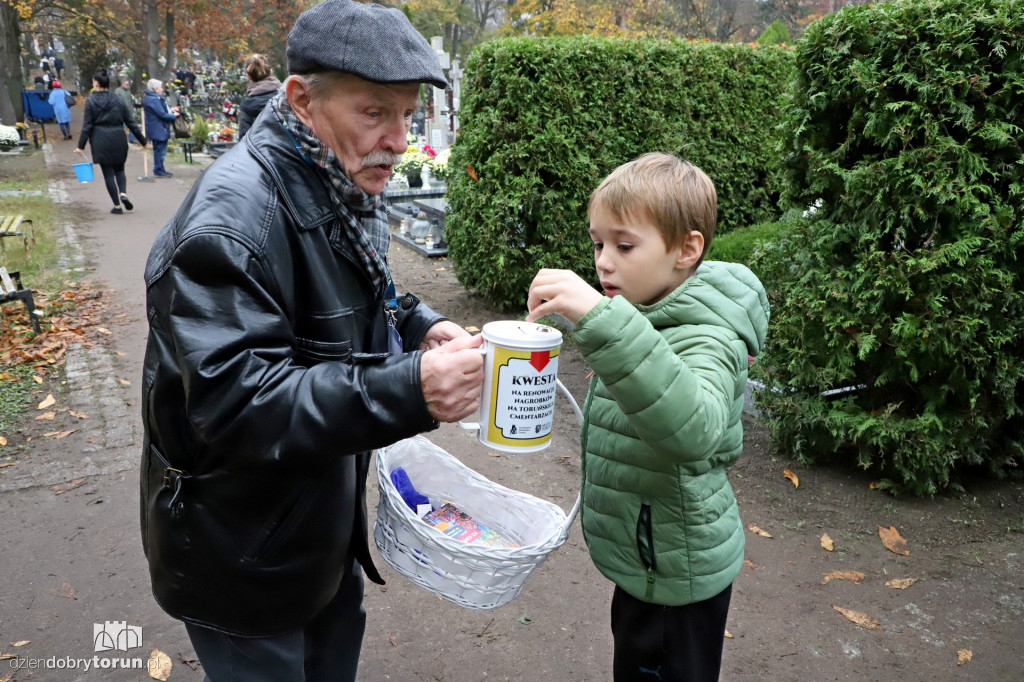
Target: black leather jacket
{"points": [[266, 384]]}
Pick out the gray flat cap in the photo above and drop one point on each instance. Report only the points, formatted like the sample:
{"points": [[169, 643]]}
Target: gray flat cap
{"points": [[373, 42]]}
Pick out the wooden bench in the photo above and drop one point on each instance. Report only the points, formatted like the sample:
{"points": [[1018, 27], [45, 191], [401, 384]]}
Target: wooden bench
{"points": [[14, 226], [11, 290], [187, 147]]}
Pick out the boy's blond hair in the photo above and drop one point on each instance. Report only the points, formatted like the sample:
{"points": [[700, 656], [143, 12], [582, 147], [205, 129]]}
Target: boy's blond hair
{"points": [[673, 194]]}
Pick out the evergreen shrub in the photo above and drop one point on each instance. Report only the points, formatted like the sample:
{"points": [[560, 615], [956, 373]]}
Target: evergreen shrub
{"points": [[739, 246], [544, 120], [906, 285]]}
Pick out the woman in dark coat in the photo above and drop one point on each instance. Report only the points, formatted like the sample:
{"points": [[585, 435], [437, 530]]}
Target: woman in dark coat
{"points": [[262, 86], [105, 119]]}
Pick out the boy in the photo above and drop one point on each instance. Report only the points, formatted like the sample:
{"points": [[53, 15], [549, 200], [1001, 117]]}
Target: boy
{"points": [[668, 343]]}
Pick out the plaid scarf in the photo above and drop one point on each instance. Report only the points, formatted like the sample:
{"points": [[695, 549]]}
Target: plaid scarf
{"points": [[363, 216]]}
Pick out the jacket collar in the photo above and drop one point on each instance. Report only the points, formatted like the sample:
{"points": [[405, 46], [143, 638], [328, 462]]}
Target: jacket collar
{"points": [[299, 182]]}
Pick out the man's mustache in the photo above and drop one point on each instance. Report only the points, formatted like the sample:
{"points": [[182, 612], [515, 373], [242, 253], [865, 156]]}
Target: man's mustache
{"points": [[381, 159]]}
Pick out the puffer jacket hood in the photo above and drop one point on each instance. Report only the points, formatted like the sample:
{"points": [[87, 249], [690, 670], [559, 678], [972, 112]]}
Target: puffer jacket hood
{"points": [[720, 294]]}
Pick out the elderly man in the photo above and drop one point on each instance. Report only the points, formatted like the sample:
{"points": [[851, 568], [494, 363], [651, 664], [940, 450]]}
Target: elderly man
{"points": [[280, 355]]}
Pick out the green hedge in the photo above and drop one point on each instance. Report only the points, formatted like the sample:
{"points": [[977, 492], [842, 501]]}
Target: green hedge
{"points": [[739, 246], [544, 120], [906, 283]]}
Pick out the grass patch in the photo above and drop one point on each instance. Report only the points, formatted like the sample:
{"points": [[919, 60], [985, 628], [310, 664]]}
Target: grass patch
{"points": [[39, 272], [39, 267], [16, 387]]}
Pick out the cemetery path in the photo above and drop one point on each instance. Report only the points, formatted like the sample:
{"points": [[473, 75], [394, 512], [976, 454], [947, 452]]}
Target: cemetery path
{"points": [[73, 559]]}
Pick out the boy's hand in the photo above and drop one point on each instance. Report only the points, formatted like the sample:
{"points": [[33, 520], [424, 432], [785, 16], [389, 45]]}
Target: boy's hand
{"points": [[560, 291]]}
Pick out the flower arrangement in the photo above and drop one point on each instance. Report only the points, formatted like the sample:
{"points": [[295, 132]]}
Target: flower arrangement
{"points": [[8, 136], [412, 162], [439, 164], [226, 134]]}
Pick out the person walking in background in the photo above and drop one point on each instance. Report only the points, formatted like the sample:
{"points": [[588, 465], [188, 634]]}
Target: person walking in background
{"points": [[159, 117], [58, 66], [262, 86], [103, 127], [124, 93], [669, 343], [61, 110], [280, 355]]}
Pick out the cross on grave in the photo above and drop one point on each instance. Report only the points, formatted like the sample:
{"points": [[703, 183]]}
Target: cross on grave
{"points": [[455, 78], [439, 128]]}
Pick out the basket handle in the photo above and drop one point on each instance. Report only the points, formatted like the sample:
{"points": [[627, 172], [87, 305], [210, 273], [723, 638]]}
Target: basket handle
{"points": [[571, 516]]}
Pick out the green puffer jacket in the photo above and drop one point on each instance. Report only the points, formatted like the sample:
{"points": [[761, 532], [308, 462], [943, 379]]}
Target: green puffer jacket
{"points": [[662, 423]]}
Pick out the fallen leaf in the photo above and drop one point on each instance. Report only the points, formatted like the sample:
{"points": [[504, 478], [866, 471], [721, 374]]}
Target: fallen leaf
{"points": [[3, 441], [62, 488], [472, 172], [6, 376], [901, 583], [728, 635], [7, 678], [873, 485], [4, 657], [472, 330], [64, 434], [525, 620], [67, 591], [21, 642], [103, 330], [124, 382], [754, 529], [393, 640], [852, 576], [159, 665], [7, 464], [36, 378], [826, 543], [792, 477], [440, 269], [893, 541], [78, 415], [494, 454], [121, 353], [963, 656], [50, 400], [748, 563], [858, 618], [46, 415]]}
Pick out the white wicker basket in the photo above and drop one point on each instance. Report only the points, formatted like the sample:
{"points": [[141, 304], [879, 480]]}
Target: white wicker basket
{"points": [[473, 576]]}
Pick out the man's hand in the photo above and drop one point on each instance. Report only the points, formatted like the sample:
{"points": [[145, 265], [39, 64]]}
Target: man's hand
{"points": [[441, 333], [452, 376], [560, 291]]}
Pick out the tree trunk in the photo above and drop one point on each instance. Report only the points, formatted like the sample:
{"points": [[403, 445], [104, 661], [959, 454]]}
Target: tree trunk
{"points": [[169, 32], [10, 66], [151, 29]]}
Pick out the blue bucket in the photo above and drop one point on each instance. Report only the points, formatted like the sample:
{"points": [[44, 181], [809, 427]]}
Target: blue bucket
{"points": [[83, 171]]}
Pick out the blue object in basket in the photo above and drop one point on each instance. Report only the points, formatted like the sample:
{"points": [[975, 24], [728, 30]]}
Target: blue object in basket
{"points": [[403, 485], [83, 171]]}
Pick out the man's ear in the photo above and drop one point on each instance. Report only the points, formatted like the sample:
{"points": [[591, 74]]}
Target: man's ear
{"points": [[299, 97], [690, 251]]}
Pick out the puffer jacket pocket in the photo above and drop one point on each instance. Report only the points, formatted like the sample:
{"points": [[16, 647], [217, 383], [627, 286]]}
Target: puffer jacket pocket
{"points": [[645, 538]]}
